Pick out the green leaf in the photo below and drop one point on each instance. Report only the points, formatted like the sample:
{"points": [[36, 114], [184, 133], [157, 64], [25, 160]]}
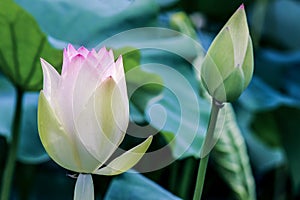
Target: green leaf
{"points": [[231, 158], [89, 23], [151, 39], [46, 181], [161, 57], [282, 127], [181, 22], [215, 9], [142, 85], [7, 103], [23, 46], [30, 149], [263, 156], [264, 126], [288, 119], [180, 111], [135, 186], [282, 30], [254, 98]]}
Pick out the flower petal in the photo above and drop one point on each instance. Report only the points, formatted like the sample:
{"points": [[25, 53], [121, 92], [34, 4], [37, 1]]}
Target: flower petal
{"points": [[126, 160], [101, 53], [62, 147], [239, 33], [120, 77], [221, 52], [102, 123], [83, 51], [225, 93], [106, 63], [57, 143], [71, 57], [51, 80], [64, 97], [112, 110], [85, 86], [248, 64], [71, 51]]}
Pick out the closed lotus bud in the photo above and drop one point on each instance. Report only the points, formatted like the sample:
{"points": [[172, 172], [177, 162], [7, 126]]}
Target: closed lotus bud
{"points": [[83, 113], [228, 65]]}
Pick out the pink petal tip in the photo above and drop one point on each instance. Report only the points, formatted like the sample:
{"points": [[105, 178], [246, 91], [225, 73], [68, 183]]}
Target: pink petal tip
{"points": [[242, 6]]}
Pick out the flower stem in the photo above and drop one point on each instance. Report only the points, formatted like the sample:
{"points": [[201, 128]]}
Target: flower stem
{"points": [[208, 142], [84, 187], [12, 154], [185, 183]]}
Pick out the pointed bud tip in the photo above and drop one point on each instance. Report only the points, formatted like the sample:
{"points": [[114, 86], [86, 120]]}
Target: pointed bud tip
{"points": [[70, 46], [242, 6], [43, 61]]}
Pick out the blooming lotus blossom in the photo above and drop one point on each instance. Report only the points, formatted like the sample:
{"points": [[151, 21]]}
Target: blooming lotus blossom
{"points": [[83, 113], [228, 66]]}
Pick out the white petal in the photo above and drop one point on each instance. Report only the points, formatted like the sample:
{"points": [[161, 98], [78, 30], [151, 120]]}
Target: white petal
{"points": [[71, 51], [101, 53], [62, 147], [97, 127], [62, 105], [126, 160], [120, 77], [106, 65], [56, 141], [112, 111], [51, 80], [83, 51], [85, 86], [64, 97]]}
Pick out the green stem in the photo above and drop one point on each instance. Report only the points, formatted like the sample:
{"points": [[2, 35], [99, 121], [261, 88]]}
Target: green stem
{"points": [[12, 154], [200, 178], [173, 176], [185, 184], [208, 142]]}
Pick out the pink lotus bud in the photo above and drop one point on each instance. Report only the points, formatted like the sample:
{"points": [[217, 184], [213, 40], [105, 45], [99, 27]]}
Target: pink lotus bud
{"points": [[83, 113]]}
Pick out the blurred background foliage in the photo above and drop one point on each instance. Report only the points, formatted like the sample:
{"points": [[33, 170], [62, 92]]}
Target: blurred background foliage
{"points": [[258, 154]]}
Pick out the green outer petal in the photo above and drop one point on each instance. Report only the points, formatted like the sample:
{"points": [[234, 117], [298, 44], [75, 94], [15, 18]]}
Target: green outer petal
{"points": [[248, 65], [228, 66], [210, 75], [239, 32], [232, 85], [221, 52], [219, 62], [84, 188], [55, 140], [126, 160]]}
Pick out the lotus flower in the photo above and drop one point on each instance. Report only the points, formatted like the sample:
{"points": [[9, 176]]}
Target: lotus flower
{"points": [[228, 65], [83, 113]]}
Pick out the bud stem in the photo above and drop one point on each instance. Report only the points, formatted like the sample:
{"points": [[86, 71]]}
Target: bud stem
{"points": [[13, 149], [216, 106]]}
